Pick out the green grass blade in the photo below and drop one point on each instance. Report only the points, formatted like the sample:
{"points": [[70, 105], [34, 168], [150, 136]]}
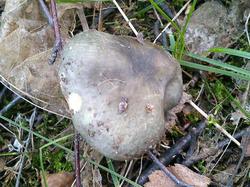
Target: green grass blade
{"points": [[41, 154], [9, 154], [114, 178], [70, 151], [213, 69], [220, 64], [229, 51], [80, 1], [146, 9], [171, 41], [235, 101], [155, 5], [180, 43], [42, 168]]}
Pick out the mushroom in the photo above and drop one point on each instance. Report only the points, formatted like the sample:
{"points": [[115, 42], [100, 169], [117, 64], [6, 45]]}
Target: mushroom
{"points": [[119, 91]]}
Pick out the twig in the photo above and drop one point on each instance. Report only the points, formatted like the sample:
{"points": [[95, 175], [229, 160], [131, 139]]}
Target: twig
{"points": [[245, 142], [27, 142], [170, 153], [82, 168], [246, 28], [93, 26], [105, 13], [126, 18], [126, 173], [156, 29], [77, 160], [16, 100], [166, 9], [18, 92], [192, 146], [175, 17], [215, 124], [166, 171], [100, 17], [83, 20], [58, 41], [140, 170], [2, 93], [46, 12], [194, 159], [218, 160]]}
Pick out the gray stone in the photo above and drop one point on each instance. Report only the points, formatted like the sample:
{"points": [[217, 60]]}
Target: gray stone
{"points": [[214, 25]]}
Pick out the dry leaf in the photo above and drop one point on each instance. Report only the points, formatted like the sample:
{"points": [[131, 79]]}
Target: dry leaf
{"points": [[26, 40], [64, 179], [171, 118], [90, 175], [159, 179]]}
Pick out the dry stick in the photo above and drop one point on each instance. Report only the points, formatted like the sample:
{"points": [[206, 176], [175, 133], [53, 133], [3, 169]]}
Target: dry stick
{"points": [[27, 142], [16, 100], [93, 26], [104, 14], [210, 152], [193, 144], [127, 172], [100, 17], [246, 28], [215, 124], [156, 29], [46, 12], [218, 160], [77, 160], [83, 20], [82, 168], [170, 153], [167, 172], [245, 143], [13, 89], [175, 17], [2, 93], [166, 9], [126, 18], [58, 41]]}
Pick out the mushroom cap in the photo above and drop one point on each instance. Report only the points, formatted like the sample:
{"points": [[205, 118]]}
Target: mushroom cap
{"points": [[118, 90]]}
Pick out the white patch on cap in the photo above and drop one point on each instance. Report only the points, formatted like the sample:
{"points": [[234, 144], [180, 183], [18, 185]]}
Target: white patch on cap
{"points": [[74, 102]]}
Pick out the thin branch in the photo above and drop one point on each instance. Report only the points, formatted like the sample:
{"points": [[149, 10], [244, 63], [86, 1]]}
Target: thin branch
{"points": [[246, 28], [212, 151], [58, 40], [46, 12], [77, 160], [105, 13], [125, 17], [18, 92], [156, 29], [27, 142], [215, 124], [16, 100], [167, 172], [100, 17], [2, 93], [245, 143], [126, 174], [170, 153], [175, 17], [83, 20], [166, 9]]}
